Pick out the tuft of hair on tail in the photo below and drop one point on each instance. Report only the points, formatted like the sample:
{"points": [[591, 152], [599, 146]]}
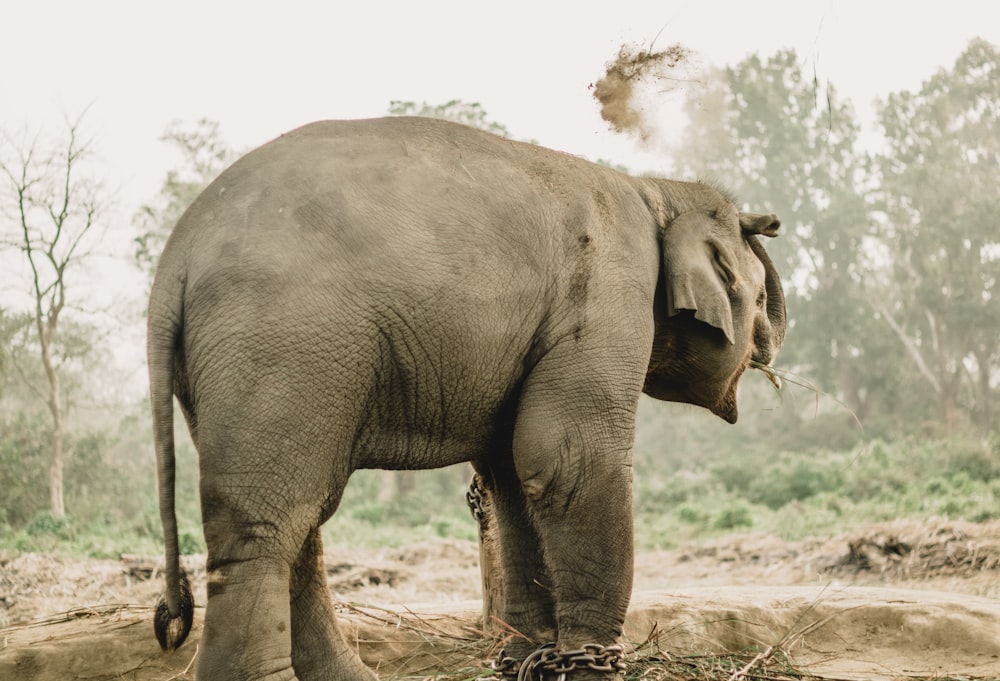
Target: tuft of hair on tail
{"points": [[172, 630]]}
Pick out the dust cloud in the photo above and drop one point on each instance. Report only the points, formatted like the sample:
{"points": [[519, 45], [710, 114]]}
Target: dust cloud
{"points": [[634, 77]]}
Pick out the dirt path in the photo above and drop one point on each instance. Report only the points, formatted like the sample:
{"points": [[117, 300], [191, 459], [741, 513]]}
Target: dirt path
{"points": [[898, 599]]}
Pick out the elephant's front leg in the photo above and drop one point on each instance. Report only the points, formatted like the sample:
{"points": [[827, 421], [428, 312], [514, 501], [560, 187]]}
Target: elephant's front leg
{"points": [[573, 458]]}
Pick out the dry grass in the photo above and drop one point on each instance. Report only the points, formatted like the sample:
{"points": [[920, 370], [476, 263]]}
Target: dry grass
{"points": [[908, 549], [409, 646], [431, 644], [466, 650], [421, 646]]}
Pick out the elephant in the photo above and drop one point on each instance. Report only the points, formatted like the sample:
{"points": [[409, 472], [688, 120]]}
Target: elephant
{"points": [[411, 293]]}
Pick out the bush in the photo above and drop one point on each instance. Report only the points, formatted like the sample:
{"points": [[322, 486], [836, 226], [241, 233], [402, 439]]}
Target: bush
{"points": [[24, 465], [692, 515], [663, 494], [973, 460], [189, 543], [44, 523], [790, 479], [736, 515]]}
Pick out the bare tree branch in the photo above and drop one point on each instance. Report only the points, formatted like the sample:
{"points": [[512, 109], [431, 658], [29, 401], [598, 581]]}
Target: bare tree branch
{"points": [[911, 347], [55, 210]]}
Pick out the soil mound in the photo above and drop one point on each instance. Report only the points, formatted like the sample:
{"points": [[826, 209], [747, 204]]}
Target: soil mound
{"points": [[909, 550], [887, 601]]}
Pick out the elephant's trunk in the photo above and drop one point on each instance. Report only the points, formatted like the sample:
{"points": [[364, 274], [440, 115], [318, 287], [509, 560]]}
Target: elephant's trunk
{"points": [[776, 312]]}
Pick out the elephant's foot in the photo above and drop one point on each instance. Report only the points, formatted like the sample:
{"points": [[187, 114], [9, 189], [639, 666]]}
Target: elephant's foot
{"points": [[338, 667], [551, 663]]}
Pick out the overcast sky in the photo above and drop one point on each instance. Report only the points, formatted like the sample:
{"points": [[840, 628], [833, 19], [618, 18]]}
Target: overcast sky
{"points": [[259, 72]]}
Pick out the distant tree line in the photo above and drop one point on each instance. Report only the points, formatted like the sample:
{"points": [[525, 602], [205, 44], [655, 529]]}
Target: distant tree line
{"points": [[891, 257]]}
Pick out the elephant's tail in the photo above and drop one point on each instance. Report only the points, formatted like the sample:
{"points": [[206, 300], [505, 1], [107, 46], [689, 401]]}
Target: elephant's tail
{"points": [[175, 609]]}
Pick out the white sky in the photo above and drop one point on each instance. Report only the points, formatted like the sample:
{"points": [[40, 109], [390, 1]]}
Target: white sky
{"points": [[259, 72]]}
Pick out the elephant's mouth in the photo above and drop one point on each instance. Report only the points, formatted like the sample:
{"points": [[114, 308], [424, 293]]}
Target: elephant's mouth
{"points": [[718, 397], [769, 372], [726, 408]]}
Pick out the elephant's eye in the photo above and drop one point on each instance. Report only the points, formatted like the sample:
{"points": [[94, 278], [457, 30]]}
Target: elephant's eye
{"points": [[761, 298]]}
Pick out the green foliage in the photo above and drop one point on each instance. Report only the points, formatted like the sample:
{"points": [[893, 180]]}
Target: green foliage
{"points": [[890, 260], [24, 441], [734, 516], [112, 503], [43, 523], [939, 180], [817, 493], [190, 543], [204, 154], [792, 479], [434, 507], [110, 490], [467, 113]]}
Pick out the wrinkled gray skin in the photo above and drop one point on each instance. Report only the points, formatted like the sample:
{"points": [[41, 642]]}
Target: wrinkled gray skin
{"points": [[409, 293]]}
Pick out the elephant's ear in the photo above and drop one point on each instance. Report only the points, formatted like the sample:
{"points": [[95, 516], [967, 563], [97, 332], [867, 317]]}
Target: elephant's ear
{"points": [[697, 272]]}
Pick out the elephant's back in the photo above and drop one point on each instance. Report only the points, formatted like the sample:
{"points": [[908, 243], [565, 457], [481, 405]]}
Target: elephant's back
{"points": [[426, 216], [406, 200]]}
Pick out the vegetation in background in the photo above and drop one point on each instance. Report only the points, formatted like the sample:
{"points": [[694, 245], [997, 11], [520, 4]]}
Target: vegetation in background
{"points": [[51, 212], [891, 256], [891, 260], [204, 154], [938, 204], [467, 113]]}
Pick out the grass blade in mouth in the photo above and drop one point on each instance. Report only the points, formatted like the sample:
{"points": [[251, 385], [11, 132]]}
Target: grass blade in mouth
{"points": [[768, 371]]}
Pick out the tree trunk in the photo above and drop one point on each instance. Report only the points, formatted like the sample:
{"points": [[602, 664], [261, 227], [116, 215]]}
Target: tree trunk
{"points": [[394, 485], [56, 474], [847, 384], [950, 384], [481, 504], [56, 500], [387, 487], [45, 189], [985, 396]]}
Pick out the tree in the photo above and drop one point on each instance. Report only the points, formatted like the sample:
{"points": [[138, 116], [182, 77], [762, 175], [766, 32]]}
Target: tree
{"points": [[783, 141], [204, 154], [50, 211], [467, 113], [940, 177]]}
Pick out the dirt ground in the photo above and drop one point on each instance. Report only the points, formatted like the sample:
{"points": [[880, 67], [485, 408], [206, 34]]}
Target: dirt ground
{"points": [[896, 600]]}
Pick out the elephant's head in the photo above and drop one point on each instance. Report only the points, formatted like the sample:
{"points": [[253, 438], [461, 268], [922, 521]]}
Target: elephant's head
{"points": [[719, 308]]}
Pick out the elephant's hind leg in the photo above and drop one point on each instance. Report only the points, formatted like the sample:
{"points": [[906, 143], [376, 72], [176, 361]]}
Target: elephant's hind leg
{"points": [[247, 620], [255, 530], [319, 651]]}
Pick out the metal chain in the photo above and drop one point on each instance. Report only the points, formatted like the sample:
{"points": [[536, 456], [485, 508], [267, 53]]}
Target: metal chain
{"points": [[474, 498], [548, 662], [505, 666]]}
